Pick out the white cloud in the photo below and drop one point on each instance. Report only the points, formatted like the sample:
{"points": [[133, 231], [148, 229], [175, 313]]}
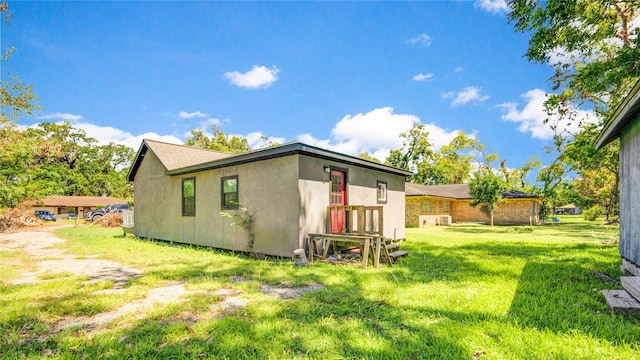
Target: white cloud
{"points": [[422, 77], [61, 116], [471, 94], [458, 69], [257, 140], [423, 40], [376, 132], [107, 134], [492, 6], [209, 123], [379, 127], [533, 115], [257, 77], [190, 115]]}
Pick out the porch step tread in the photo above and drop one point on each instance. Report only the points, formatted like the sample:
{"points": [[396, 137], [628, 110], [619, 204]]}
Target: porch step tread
{"points": [[632, 285], [398, 253], [620, 301], [391, 247]]}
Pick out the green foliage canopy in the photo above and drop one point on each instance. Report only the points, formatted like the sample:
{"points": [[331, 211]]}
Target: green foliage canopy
{"points": [[451, 164], [592, 46], [57, 159], [486, 189], [219, 141]]}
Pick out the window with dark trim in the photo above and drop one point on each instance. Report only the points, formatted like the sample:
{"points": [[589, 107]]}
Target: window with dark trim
{"points": [[382, 192], [189, 196], [230, 192]]}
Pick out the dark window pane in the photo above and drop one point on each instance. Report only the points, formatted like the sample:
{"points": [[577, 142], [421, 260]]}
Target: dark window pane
{"points": [[230, 193], [189, 197]]}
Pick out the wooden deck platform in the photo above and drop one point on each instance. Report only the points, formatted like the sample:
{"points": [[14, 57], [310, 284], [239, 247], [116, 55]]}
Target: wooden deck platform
{"points": [[620, 301], [625, 301]]}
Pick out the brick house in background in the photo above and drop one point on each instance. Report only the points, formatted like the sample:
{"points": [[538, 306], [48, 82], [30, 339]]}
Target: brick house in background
{"points": [[445, 204], [65, 206]]}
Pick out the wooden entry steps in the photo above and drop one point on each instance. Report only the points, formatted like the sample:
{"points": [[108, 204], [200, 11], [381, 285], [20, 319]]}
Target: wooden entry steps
{"points": [[393, 248], [625, 301], [376, 247]]}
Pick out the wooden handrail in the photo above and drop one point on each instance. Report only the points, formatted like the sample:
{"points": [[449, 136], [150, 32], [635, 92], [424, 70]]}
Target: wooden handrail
{"points": [[355, 219]]}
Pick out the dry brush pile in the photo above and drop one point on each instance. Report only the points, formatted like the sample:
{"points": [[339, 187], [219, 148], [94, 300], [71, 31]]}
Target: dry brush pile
{"points": [[18, 218]]}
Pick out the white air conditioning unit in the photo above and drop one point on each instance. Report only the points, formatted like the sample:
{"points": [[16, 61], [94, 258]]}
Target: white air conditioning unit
{"points": [[445, 220]]}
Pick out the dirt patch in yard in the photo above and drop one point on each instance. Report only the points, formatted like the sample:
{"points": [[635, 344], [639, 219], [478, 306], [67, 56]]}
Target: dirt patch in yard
{"points": [[40, 244]]}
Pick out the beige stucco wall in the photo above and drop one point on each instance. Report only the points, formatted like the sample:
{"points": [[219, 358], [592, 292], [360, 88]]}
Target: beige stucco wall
{"points": [[361, 190], [512, 211], [264, 189], [288, 197]]}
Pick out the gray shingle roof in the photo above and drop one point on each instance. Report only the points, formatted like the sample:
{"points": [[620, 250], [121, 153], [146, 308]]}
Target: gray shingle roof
{"points": [[452, 191], [175, 156], [457, 191], [180, 159]]}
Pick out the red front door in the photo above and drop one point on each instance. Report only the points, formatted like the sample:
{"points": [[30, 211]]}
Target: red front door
{"points": [[338, 197]]}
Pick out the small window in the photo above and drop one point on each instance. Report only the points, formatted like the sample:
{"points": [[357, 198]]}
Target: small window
{"points": [[230, 192], [189, 197], [382, 192], [445, 206], [426, 206]]}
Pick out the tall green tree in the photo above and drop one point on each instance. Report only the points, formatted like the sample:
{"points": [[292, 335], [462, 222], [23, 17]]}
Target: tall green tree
{"points": [[219, 141], [416, 149], [486, 189], [16, 98], [366, 156], [57, 159], [451, 164], [590, 44], [592, 47]]}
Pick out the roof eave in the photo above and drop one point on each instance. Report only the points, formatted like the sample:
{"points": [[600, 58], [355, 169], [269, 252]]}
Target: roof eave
{"points": [[286, 150], [443, 197], [621, 117], [142, 151]]}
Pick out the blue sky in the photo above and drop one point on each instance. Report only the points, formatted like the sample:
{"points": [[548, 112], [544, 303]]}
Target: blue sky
{"points": [[348, 76]]}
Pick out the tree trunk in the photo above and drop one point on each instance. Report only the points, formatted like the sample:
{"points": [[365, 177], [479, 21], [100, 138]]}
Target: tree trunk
{"points": [[492, 218]]}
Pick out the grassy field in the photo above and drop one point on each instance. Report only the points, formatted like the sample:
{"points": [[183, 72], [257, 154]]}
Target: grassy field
{"points": [[464, 292]]}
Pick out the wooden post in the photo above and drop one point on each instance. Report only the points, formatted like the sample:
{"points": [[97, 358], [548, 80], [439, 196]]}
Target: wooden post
{"points": [[376, 256], [365, 255], [311, 246]]}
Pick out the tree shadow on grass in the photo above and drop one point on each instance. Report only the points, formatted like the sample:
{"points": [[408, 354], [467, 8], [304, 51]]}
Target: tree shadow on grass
{"points": [[564, 297], [344, 320], [339, 321], [568, 229], [479, 260]]}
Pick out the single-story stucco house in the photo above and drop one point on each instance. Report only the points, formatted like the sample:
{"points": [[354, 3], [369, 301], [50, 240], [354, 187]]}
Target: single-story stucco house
{"points": [[182, 194], [69, 206], [625, 125], [446, 204]]}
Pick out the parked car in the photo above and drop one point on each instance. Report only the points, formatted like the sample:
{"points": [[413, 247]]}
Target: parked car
{"points": [[95, 215], [46, 215]]}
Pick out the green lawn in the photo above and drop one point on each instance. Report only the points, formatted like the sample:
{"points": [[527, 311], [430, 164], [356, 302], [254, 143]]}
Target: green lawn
{"points": [[464, 292]]}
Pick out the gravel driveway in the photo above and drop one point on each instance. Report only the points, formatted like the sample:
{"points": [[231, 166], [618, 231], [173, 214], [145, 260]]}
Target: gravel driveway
{"points": [[40, 244]]}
